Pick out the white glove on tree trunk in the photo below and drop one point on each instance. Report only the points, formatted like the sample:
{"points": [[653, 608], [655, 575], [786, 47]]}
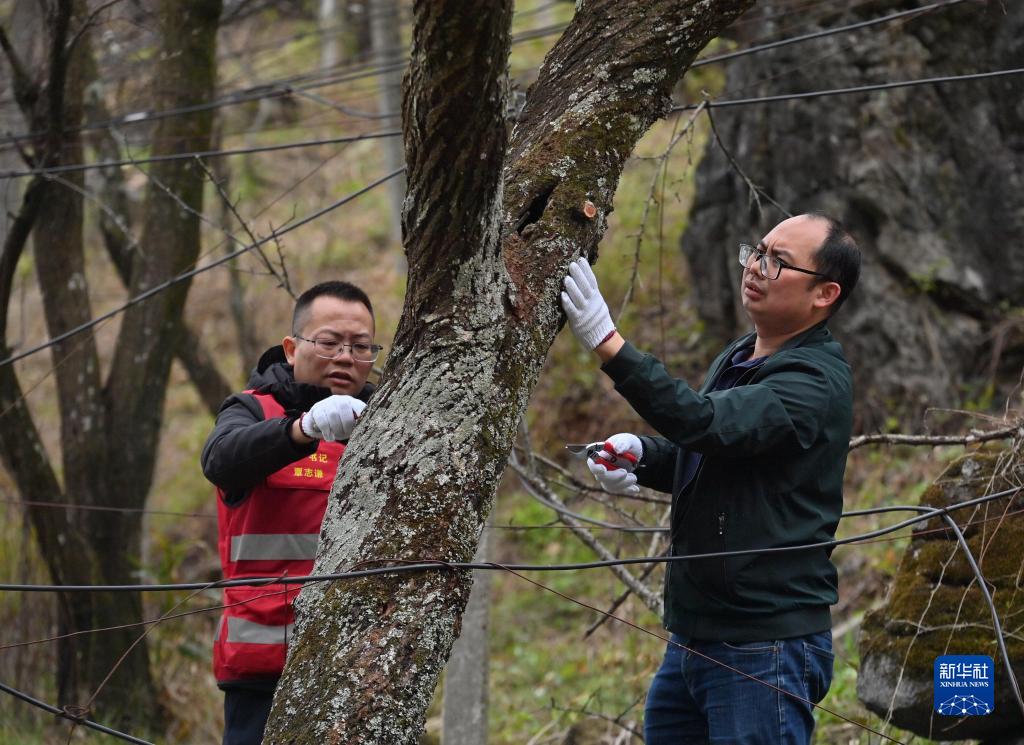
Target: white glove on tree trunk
{"points": [[333, 418], [584, 307]]}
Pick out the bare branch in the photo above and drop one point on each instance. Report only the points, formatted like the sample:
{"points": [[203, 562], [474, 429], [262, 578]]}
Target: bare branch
{"points": [[88, 24], [661, 164], [282, 278], [26, 91], [1014, 430], [649, 598], [756, 192]]}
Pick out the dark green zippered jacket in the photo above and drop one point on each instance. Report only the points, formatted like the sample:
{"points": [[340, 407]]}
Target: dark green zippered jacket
{"points": [[771, 474]]}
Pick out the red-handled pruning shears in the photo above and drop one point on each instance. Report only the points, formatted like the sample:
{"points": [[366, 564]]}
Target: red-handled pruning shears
{"points": [[609, 460]]}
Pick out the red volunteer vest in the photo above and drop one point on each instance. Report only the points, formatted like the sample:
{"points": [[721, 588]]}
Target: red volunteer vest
{"points": [[274, 531]]}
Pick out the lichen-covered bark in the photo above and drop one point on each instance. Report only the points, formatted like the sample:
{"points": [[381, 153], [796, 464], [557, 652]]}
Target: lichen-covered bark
{"points": [[934, 606], [487, 251]]}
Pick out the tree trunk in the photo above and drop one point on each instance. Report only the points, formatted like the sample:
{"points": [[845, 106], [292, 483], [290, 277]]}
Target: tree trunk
{"points": [[60, 272], [115, 227], [481, 311], [464, 717], [386, 34], [329, 18], [929, 179], [108, 433]]}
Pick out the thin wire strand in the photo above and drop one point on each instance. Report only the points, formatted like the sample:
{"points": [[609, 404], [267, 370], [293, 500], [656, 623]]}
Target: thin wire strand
{"points": [[432, 564], [75, 167], [286, 86], [848, 91], [22, 696], [726, 56], [671, 641], [199, 270]]}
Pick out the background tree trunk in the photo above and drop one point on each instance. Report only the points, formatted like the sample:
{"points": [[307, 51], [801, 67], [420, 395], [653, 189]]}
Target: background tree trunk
{"points": [[115, 225], [480, 313], [388, 49], [929, 179], [329, 17], [108, 432], [464, 716]]}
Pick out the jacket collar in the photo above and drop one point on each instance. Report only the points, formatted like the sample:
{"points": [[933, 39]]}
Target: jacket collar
{"points": [[816, 334]]}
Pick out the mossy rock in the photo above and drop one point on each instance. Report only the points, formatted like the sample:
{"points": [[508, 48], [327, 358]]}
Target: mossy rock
{"points": [[934, 606]]}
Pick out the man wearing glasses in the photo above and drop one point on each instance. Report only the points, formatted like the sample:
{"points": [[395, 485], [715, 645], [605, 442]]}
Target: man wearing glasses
{"points": [[273, 455], [754, 459]]}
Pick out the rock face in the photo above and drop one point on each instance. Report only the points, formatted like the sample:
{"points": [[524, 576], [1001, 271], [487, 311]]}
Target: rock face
{"points": [[935, 608], [930, 179]]}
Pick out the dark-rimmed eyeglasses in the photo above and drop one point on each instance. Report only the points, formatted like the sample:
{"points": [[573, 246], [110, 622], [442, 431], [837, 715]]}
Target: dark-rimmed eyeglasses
{"points": [[771, 266], [328, 349]]}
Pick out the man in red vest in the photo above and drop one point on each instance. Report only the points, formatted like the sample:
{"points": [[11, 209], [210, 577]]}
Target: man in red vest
{"points": [[273, 455]]}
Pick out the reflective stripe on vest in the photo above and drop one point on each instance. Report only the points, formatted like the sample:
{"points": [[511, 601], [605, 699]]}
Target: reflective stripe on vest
{"points": [[273, 531], [274, 546], [243, 631]]}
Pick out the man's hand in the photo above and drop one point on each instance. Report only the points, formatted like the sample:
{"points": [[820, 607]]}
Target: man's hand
{"points": [[613, 466], [583, 305], [333, 418]]}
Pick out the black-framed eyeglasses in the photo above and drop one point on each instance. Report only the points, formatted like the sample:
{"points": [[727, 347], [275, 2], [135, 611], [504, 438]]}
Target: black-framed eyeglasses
{"points": [[771, 265], [328, 349]]}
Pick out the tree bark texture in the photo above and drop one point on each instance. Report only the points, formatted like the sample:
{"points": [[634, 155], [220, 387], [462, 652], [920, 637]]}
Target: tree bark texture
{"points": [[929, 179], [108, 431], [486, 260]]}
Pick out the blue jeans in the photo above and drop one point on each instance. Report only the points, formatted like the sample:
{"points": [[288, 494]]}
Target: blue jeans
{"points": [[694, 701]]}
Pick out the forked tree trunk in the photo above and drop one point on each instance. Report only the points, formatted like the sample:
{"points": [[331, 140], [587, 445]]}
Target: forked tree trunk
{"points": [[486, 261]]}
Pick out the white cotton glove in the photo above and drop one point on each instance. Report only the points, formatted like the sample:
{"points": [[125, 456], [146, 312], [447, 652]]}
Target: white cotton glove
{"points": [[583, 305], [332, 418], [613, 466]]}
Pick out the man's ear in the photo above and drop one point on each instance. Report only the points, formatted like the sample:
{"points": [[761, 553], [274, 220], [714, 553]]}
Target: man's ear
{"points": [[289, 349], [826, 294]]}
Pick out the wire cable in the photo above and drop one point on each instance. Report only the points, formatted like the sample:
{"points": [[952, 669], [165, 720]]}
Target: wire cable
{"points": [[198, 270], [73, 167], [725, 56], [22, 696], [846, 91], [436, 564]]}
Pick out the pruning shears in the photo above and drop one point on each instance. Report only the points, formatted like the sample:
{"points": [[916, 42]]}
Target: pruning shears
{"points": [[591, 450]]}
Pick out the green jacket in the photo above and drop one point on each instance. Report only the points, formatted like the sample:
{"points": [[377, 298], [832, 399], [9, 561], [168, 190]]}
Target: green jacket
{"points": [[771, 474]]}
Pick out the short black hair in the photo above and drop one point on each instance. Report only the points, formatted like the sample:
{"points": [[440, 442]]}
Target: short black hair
{"points": [[838, 258], [335, 288]]}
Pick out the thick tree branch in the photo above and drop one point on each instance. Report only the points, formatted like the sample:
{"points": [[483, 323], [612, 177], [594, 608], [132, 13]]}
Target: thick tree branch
{"points": [[26, 92], [170, 241]]}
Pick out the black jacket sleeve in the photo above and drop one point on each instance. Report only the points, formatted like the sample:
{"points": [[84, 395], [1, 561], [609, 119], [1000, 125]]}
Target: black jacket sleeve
{"points": [[657, 467], [244, 448]]}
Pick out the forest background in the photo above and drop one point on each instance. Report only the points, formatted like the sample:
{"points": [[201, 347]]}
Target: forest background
{"points": [[304, 71]]}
